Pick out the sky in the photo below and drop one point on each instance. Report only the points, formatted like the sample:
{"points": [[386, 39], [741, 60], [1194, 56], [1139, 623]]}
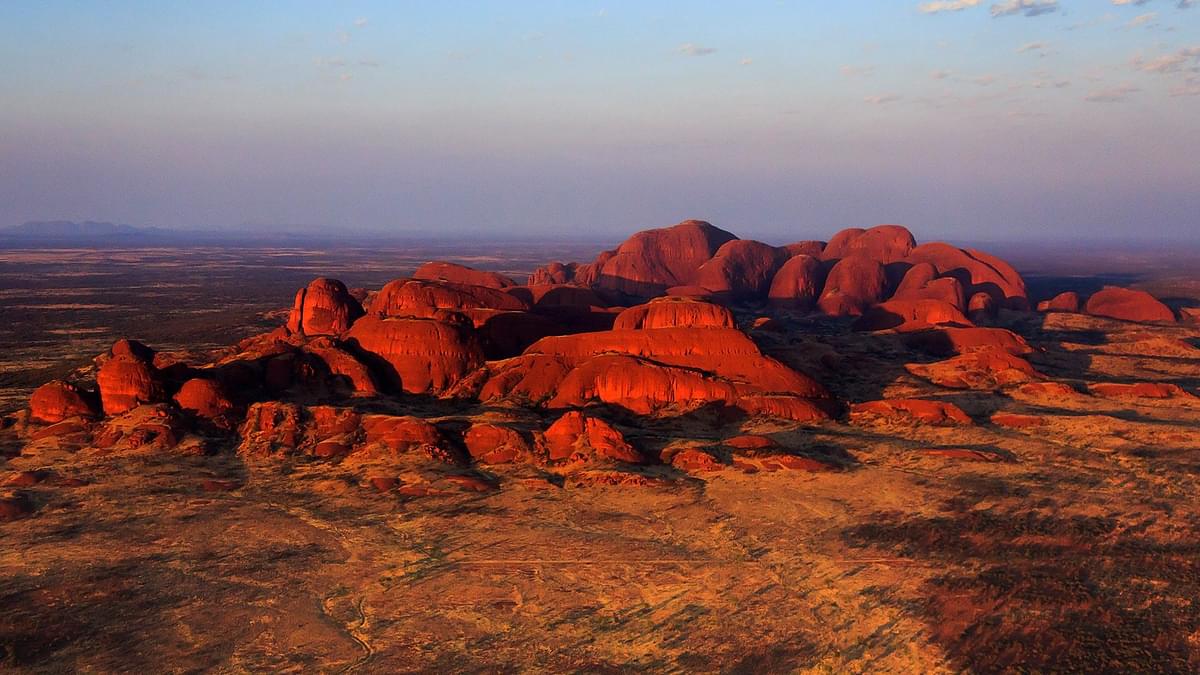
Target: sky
{"points": [[985, 120]]}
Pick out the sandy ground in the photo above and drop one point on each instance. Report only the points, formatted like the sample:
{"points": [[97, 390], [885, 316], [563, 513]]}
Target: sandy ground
{"points": [[1077, 550]]}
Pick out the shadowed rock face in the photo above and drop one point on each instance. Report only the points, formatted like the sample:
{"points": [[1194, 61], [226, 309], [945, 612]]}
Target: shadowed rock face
{"points": [[1128, 305], [978, 272], [910, 315]]}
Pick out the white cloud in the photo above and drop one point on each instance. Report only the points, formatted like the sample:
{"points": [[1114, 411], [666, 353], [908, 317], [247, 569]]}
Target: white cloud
{"points": [[360, 22], [1026, 7], [946, 6], [941, 74], [1129, 2], [1111, 94], [746, 61], [882, 99], [695, 50]]}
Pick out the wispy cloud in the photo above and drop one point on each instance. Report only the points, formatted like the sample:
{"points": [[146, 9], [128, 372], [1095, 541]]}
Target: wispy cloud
{"points": [[881, 99], [1184, 59], [941, 74], [1041, 49], [1026, 7], [947, 6], [692, 49], [1129, 2], [1001, 8], [1050, 84], [746, 61], [360, 22], [1111, 94], [857, 71], [343, 63], [1142, 19], [1189, 88]]}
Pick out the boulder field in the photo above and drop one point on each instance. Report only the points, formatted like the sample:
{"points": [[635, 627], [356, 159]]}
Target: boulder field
{"points": [[567, 372]]}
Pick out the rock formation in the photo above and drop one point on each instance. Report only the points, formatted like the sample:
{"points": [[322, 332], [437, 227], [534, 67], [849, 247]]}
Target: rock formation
{"points": [[1128, 305], [459, 274], [324, 307]]}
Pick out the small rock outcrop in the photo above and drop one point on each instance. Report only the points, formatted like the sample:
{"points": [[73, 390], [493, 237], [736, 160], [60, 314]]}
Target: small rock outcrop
{"points": [[1129, 305], [57, 400], [324, 307]]}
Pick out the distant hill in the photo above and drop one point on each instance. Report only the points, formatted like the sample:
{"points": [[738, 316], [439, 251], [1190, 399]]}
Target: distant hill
{"points": [[90, 233], [87, 231]]}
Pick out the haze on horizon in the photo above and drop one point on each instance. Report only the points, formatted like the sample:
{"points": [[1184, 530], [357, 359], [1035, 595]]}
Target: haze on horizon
{"points": [[969, 119]]}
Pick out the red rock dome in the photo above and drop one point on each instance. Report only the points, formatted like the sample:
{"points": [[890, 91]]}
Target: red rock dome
{"points": [[416, 298], [674, 312], [882, 243], [128, 378], [417, 355], [853, 284], [798, 283], [649, 262], [741, 269], [1129, 305], [324, 307], [57, 400], [460, 274]]}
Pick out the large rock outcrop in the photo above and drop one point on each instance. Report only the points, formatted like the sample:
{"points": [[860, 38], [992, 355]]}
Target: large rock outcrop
{"points": [[652, 261], [674, 312], [977, 271], [854, 283], [418, 356], [438, 270], [741, 269], [57, 400], [883, 244], [424, 299]]}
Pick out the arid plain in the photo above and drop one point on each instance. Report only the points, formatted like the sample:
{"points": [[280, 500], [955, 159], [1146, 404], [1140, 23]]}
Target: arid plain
{"points": [[1034, 508]]}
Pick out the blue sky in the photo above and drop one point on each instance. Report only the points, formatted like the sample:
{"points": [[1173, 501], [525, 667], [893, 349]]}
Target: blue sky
{"points": [[976, 119]]}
